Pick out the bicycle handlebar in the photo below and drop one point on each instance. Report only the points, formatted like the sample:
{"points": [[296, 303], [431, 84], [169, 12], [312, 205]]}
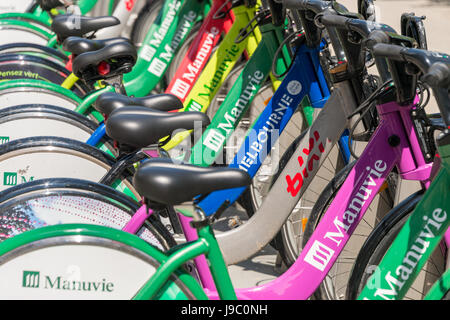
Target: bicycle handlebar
{"points": [[435, 67], [313, 5], [438, 75], [363, 27], [433, 64]]}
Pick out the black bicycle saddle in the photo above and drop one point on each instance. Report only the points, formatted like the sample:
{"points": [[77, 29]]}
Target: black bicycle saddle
{"points": [[107, 62], [78, 45], [66, 25], [162, 181], [107, 102], [137, 127]]}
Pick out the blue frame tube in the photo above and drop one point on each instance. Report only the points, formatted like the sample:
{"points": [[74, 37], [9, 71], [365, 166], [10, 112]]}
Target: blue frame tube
{"points": [[97, 135], [305, 70]]}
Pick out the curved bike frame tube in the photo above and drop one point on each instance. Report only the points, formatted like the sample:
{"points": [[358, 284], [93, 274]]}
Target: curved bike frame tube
{"points": [[87, 102], [304, 78], [421, 234], [218, 67], [43, 51], [166, 35], [318, 142], [344, 213], [238, 99], [204, 245], [200, 50]]}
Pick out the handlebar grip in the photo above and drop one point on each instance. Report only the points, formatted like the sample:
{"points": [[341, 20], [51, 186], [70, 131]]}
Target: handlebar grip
{"points": [[294, 4], [388, 51], [333, 20], [376, 37], [438, 75]]}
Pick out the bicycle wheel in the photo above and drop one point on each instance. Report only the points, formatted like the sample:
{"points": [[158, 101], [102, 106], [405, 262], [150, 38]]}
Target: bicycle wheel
{"points": [[334, 286], [379, 241], [14, 6], [32, 120], [62, 200], [94, 266], [26, 66], [29, 159], [11, 30], [181, 53], [18, 92], [44, 52], [146, 17]]}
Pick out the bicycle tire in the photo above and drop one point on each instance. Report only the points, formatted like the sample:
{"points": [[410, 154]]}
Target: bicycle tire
{"points": [[26, 66], [146, 17], [47, 120], [33, 158], [90, 250], [181, 53], [380, 240], [18, 92], [30, 48], [333, 287], [64, 197], [26, 32]]}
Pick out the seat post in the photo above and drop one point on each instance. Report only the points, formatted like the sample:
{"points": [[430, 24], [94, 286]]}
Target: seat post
{"points": [[117, 83]]}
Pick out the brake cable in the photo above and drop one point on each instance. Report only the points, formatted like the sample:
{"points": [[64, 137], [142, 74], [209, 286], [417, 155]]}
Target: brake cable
{"points": [[262, 16], [285, 41], [368, 105]]}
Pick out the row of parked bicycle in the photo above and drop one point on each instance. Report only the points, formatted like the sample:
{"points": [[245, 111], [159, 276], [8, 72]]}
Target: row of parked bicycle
{"points": [[124, 143]]}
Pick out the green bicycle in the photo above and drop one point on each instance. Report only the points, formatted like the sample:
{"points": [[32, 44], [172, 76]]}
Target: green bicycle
{"points": [[412, 234]]}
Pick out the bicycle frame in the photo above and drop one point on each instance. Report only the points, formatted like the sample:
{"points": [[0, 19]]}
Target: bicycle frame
{"points": [[191, 66], [218, 67], [201, 49], [421, 234], [237, 245], [205, 245], [240, 17], [239, 97], [307, 74], [175, 21], [347, 209]]}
